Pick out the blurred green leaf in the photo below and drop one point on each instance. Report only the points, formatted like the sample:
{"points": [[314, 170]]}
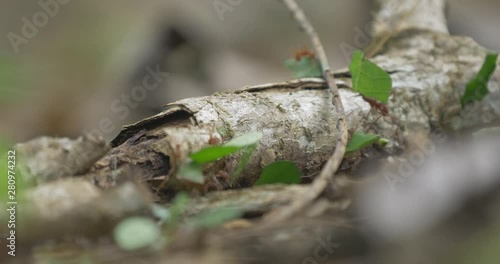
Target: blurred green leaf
{"points": [[279, 172], [216, 217], [248, 143], [161, 212], [382, 142], [361, 140], [369, 79], [214, 153], [177, 208], [136, 232], [191, 171], [180, 203], [245, 140], [245, 157], [305, 67], [477, 89]]}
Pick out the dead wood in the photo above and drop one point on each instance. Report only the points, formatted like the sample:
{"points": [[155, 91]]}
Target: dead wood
{"points": [[429, 69]]}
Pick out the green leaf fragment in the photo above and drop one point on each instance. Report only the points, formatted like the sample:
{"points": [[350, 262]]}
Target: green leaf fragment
{"points": [[136, 232], [216, 217], [177, 208], [245, 157], [305, 67], [160, 212], [248, 143], [369, 79], [191, 171], [382, 142], [279, 172], [245, 140], [477, 88], [361, 140], [180, 202], [214, 153]]}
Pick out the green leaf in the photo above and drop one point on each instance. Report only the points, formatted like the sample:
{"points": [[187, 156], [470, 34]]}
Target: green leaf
{"points": [[361, 140], [477, 89], [369, 79], [382, 142], [191, 171], [245, 157], [306, 67], [279, 172], [216, 217], [180, 203], [248, 139], [247, 142], [177, 208], [136, 233], [160, 212], [214, 153]]}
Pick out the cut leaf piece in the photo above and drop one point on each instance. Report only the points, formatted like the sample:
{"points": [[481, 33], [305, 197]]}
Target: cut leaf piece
{"points": [[136, 233], [177, 208], [214, 153], [245, 140], [279, 172], [245, 157], [192, 172], [361, 140], [305, 67], [369, 79], [382, 142], [216, 217], [160, 212], [477, 89]]}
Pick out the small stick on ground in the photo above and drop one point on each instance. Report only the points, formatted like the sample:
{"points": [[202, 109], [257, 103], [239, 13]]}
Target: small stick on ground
{"points": [[321, 181]]}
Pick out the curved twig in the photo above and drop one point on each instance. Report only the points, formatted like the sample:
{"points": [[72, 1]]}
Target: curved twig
{"points": [[321, 181]]}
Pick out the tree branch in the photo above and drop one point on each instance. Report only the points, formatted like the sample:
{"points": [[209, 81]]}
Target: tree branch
{"points": [[393, 16], [397, 15]]}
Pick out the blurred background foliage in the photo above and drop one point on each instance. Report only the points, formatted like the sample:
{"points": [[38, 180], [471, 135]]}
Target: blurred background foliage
{"points": [[65, 79]]}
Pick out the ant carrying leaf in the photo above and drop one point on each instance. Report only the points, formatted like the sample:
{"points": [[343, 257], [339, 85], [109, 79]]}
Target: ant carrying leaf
{"points": [[304, 64]]}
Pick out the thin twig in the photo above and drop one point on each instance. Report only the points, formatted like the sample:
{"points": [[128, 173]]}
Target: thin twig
{"points": [[321, 181]]}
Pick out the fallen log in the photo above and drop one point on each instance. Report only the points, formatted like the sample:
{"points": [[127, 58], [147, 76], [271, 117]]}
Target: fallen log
{"points": [[429, 72]]}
